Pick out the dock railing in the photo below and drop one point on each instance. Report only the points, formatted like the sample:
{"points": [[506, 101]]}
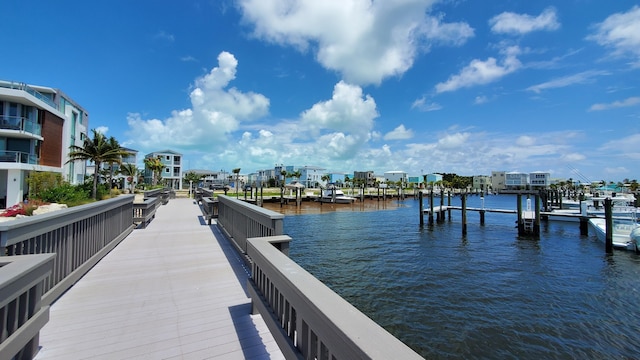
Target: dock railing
{"points": [[22, 313], [80, 236], [241, 221], [145, 211], [307, 319]]}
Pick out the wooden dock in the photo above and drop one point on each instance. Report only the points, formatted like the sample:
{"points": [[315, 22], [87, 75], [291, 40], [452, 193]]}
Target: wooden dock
{"points": [[175, 290]]}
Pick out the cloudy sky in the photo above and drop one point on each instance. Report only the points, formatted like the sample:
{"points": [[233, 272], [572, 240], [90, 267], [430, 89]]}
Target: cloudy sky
{"points": [[415, 85]]}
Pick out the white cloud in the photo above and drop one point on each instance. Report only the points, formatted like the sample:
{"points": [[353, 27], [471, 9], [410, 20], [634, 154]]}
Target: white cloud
{"points": [[579, 78], [423, 105], [399, 133], [163, 35], [364, 41], [453, 141], [632, 101], [525, 140], [102, 129], [481, 100], [621, 33], [347, 111], [480, 72], [215, 112], [512, 23]]}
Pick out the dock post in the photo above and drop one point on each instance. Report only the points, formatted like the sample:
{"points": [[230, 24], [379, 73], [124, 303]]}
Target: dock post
{"points": [[421, 209], [536, 223], [281, 196], [431, 207], [464, 213], [520, 222], [609, 225], [482, 211], [261, 195], [584, 225], [441, 212], [449, 204]]}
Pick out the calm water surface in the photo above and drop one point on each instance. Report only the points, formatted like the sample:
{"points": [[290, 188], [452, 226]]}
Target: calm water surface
{"points": [[489, 294]]}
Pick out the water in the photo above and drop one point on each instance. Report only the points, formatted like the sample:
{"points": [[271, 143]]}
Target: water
{"points": [[487, 295]]}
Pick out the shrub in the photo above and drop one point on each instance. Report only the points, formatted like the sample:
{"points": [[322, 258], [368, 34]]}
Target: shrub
{"points": [[65, 194]]}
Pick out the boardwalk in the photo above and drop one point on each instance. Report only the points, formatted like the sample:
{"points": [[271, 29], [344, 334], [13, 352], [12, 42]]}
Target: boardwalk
{"points": [[174, 290]]}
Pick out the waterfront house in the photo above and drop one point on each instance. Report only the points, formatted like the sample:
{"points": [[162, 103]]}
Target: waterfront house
{"points": [[172, 172], [481, 182], [498, 180], [393, 177], [37, 126], [311, 176], [539, 180], [516, 181]]}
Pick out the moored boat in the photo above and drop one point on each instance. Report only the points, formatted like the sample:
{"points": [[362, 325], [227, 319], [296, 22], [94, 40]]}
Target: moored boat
{"points": [[625, 234]]}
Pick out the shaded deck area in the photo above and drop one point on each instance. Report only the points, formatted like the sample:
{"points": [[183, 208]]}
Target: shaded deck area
{"points": [[175, 290]]}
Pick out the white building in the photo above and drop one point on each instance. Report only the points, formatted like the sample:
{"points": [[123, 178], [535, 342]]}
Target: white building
{"points": [[393, 177], [172, 172], [516, 181], [37, 126], [539, 180]]}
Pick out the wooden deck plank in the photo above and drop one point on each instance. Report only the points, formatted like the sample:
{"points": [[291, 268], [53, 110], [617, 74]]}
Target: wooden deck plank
{"points": [[174, 290]]}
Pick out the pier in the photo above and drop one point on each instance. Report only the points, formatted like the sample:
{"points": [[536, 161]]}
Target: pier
{"points": [[174, 290], [88, 283]]}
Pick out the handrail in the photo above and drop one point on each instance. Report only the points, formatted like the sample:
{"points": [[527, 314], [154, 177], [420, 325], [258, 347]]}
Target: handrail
{"points": [[21, 308], [307, 319], [145, 211], [241, 221], [28, 89], [20, 123], [17, 157], [80, 235]]}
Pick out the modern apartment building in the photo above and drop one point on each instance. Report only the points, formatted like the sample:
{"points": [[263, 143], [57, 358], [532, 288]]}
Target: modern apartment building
{"points": [[172, 172], [37, 126]]}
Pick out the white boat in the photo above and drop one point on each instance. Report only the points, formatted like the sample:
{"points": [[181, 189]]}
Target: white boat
{"points": [[334, 195], [619, 211], [626, 234]]}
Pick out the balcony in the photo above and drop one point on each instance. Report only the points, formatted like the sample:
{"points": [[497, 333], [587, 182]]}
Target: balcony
{"points": [[21, 124], [20, 157], [26, 88]]}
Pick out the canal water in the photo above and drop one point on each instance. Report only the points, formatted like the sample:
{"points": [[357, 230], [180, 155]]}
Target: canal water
{"points": [[489, 294]]}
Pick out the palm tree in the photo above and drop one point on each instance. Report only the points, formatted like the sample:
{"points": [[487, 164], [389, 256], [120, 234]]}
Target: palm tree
{"points": [[284, 175], [156, 166], [131, 172], [97, 150], [237, 172]]}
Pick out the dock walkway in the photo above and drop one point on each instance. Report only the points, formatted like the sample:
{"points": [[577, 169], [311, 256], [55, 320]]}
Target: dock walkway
{"points": [[175, 290]]}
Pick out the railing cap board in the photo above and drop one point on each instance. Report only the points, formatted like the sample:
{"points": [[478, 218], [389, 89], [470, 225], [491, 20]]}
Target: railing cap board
{"points": [[30, 226], [335, 319], [233, 202], [21, 272]]}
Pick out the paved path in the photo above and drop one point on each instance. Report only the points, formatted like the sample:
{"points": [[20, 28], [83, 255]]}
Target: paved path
{"points": [[174, 290]]}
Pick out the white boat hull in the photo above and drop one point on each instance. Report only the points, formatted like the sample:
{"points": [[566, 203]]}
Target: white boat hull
{"points": [[622, 238]]}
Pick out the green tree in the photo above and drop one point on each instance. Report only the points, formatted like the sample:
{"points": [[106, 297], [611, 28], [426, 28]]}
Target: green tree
{"points": [[131, 172], [284, 176], [98, 150], [192, 177], [156, 166]]}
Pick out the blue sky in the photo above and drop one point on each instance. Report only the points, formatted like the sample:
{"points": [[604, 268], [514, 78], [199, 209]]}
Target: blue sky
{"points": [[420, 86]]}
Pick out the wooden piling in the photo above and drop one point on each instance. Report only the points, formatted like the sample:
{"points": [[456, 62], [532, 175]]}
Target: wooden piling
{"points": [[584, 225], [609, 225], [464, 214], [449, 204], [431, 207], [536, 221], [441, 213], [520, 221], [421, 209]]}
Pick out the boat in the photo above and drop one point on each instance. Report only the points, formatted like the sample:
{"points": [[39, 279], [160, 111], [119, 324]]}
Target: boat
{"points": [[621, 210], [626, 234], [331, 194]]}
